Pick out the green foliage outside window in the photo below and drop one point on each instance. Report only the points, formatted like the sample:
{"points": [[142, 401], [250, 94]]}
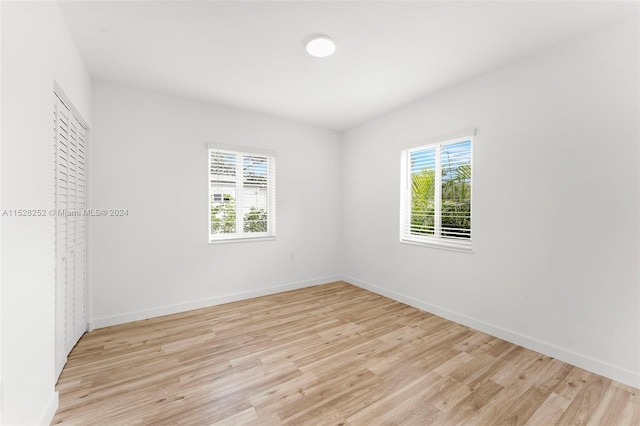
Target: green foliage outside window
{"points": [[422, 202], [255, 220], [223, 218], [456, 203]]}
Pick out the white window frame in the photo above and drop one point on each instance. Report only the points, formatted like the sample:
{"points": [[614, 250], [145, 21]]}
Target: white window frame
{"points": [[240, 235], [436, 240]]}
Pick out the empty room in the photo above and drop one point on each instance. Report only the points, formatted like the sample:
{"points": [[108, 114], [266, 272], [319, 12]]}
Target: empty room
{"points": [[320, 212]]}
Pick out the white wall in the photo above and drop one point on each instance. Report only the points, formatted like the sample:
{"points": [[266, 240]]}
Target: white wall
{"points": [[36, 50], [149, 156], [556, 212]]}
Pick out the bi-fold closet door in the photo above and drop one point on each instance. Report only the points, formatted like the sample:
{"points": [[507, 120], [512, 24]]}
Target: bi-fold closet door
{"points": [[70, 148]]}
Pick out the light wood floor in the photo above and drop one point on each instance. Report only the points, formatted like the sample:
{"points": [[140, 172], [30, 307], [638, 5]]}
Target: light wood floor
{"points": [[330, 354]]}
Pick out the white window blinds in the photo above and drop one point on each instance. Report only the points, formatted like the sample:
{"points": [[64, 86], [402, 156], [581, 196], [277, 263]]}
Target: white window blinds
{"points": [[436, 194], [241, 194]]}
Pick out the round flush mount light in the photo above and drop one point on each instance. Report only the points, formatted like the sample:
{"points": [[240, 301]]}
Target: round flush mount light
{"points": [[320, 46]]}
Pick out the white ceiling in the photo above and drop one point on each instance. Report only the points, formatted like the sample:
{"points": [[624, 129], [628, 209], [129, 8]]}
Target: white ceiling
{"points": [[251, 55]]}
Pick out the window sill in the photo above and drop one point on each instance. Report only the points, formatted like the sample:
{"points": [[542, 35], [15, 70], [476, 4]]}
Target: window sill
{"points": [[242, 240], [442, 245]]}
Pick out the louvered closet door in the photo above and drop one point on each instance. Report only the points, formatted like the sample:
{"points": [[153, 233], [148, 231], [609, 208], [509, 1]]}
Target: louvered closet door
{"points": [[80, 248], [70, 230]]}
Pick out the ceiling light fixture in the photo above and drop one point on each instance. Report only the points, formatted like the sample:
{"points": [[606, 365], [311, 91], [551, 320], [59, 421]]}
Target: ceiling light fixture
{"points": [[320, 46]]}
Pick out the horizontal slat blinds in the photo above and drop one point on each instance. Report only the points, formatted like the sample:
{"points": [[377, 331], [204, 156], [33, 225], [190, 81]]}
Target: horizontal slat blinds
{"points": [[455, 160], [436, 194], [222, 192], [423, 192], [255, 193], [241, 194]]}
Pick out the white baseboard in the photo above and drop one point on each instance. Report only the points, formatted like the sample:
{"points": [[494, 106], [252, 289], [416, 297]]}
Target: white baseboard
{"points": [[47, 415], [174, 309], [602, 368]]}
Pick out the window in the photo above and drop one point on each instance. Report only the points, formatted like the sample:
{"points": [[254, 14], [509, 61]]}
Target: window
{"points": [[436, 194], [241, 194]]}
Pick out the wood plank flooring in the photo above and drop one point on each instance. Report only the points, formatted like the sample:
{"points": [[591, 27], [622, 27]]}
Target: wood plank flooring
{"points": [[325, 355]]}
